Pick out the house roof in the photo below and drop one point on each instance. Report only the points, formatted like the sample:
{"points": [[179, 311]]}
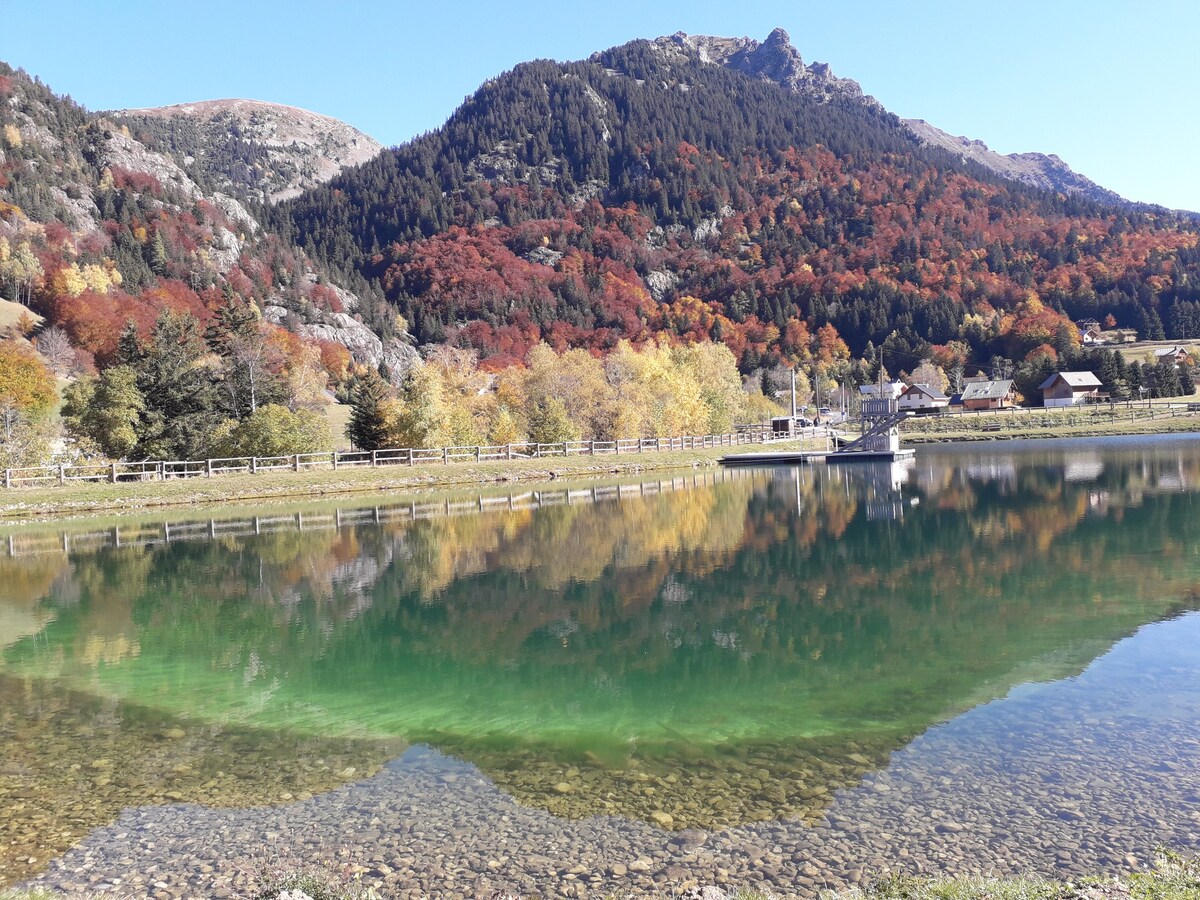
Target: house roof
{"points": [[928, 390], [1168, 351], [1073, 379], [987, 390]]}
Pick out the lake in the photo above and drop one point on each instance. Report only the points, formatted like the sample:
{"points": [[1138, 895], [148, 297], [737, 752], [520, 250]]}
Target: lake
{"points": [[986, 659]]}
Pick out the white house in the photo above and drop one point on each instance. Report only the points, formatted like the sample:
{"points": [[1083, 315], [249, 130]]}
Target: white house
{"points": [[923, 397], [891, 390]]}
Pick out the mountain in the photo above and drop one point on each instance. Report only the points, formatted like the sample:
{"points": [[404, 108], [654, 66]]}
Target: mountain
{"points": [[1040, 170], [251, 149], [776, 60], [717, 188], [98, 228]]}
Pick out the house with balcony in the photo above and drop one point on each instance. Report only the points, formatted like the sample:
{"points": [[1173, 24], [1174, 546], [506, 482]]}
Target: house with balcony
{"points": [[1069, 389]]}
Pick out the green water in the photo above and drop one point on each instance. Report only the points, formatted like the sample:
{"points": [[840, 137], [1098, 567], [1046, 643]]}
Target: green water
{"points": [[801, 616]]}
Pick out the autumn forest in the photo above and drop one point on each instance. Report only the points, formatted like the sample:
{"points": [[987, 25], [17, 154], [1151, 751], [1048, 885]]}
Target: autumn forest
{"points": [[631, 244]]}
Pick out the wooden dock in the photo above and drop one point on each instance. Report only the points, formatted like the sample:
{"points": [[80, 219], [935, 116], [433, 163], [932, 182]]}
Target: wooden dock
{"points": [[797, 457]]}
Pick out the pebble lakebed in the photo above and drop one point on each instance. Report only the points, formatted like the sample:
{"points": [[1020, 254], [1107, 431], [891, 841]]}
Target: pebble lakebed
{"points": [[1045, 787]]}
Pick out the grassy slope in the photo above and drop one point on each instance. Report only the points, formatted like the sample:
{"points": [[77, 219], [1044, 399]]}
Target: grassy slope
{"points": [[1082, 421]]}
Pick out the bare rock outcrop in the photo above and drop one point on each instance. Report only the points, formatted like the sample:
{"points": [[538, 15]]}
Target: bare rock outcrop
{"points": [[364, 345], [774, 59], [291, 149], [1040, 170]]}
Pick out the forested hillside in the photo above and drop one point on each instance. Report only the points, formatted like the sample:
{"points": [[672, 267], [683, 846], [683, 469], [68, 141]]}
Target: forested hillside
{"points": [[642, 192], [175, 324]]}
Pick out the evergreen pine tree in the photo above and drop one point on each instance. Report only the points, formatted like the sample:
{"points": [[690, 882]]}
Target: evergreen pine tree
{"points": [[367, 428]]}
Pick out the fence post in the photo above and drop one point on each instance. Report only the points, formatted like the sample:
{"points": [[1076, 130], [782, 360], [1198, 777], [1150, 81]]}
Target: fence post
{"points": [[254, 465], [8, 478], [478, 452], [410, 455], [62, 474], [335, 460], [208, 467], [593, 451], [658, 444], [509, 449], [113, 477], [296, 463], [374, 459], [445, 456]]}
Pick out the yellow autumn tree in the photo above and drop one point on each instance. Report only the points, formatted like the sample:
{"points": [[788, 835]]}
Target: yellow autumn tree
{"points": [[714, 369], [577, 380]]}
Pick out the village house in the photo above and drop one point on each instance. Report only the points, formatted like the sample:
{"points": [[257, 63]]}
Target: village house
{"points": [[988, 395], [1069, 388], [891, 390], [923, 397], [1178, 355]]}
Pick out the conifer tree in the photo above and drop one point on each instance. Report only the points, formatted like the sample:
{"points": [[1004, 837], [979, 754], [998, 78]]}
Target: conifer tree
{"points": [[368, 426]]}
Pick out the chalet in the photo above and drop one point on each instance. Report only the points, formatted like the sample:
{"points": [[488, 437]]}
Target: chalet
{"points": [[1091, 335], [1177, 355], [891, 391], [988, 395], [1069, 388], [923, 397]]}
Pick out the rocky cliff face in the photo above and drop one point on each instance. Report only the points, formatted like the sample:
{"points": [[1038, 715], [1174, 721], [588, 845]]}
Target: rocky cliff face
{"points": [[1038, 169], [775, 59], [250, 148]]}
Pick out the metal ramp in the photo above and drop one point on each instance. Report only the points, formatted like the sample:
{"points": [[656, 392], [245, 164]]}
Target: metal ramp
{"points": [[881, 433]]}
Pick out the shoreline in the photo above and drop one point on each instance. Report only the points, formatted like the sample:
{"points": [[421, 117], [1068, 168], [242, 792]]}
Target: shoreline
{"points": [[22, 505]]}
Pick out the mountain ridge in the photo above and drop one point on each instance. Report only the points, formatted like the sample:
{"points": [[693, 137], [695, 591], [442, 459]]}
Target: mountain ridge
{"points": [[720, 188], [777, 60], [255, 149]]}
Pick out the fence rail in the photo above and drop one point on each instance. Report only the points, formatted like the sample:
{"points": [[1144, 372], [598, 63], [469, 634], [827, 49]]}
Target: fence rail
{"points": [[167, 470]]}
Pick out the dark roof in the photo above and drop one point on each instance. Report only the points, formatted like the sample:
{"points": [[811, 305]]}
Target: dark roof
{"points": [[987, 390], [1074, 379]]}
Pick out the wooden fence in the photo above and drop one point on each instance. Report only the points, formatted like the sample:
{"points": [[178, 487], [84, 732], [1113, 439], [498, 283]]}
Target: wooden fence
{"points": [[163, 470]]}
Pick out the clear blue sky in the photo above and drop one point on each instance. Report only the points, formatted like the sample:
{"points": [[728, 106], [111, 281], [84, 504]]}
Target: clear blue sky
{"points": [[1111, 86]]}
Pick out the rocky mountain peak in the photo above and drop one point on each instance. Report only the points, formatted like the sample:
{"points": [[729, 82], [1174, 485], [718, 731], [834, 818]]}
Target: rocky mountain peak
{"points": [[776, 59], [251, 148]]}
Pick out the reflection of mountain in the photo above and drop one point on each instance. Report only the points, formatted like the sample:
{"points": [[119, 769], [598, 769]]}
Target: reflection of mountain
{"points": [[765, 616]]}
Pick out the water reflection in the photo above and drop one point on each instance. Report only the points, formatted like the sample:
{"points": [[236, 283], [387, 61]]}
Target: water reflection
{"points": [[703, 651]]}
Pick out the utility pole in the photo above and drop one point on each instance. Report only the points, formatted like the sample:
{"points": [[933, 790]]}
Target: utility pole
{"points": [[793, 392]]}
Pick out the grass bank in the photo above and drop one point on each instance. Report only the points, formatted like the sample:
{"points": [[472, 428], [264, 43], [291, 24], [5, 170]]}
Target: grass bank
{"points": [[23, 504], [1087, 421]]}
